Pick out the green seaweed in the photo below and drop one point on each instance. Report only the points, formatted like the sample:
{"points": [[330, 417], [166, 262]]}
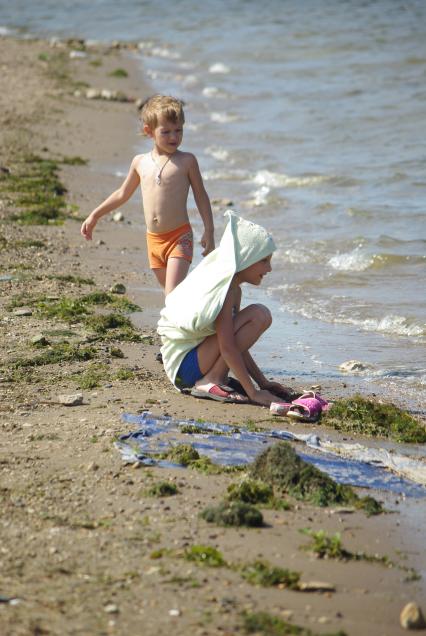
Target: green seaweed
{"points": [[269, 625], [182, 454], [74, 161], [92, 377], [162, 489], [250, 491], [205, 555], [233, 513], [325, 546], [280, 466], [61, 352], [362, 416], [330, 547], [70, 278], [124, 374], [253, 491], [35, 191], [118, 72], [264, 574]]}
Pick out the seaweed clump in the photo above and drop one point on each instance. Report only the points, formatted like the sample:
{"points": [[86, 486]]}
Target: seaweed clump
{"points": [[253, 491], [361, 416], [280, 466], [233, 513], [263, 574], [269, 625]]}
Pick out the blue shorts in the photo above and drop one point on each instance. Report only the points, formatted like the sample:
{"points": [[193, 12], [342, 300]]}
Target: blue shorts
{"points": [[189, 370]]}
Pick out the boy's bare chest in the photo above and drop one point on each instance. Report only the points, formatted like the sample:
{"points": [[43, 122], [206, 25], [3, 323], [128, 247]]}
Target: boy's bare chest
{"points": [[164, 173]]}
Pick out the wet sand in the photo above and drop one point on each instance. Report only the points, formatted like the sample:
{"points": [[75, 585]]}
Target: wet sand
{"points": [[78, 530]]}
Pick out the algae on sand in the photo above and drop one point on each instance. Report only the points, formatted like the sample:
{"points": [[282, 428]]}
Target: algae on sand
{"points": [[280, 466], [233, 513], [376, 419]]}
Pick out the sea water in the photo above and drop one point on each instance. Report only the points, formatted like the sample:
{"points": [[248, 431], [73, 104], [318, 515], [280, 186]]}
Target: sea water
{"points": [[311, 119]]}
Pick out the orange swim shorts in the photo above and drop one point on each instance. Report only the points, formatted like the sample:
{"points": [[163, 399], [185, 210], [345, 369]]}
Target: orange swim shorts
{"points": [[177, 243]]}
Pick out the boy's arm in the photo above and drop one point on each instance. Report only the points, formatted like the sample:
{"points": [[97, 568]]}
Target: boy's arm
{"points": [[115, 200], [203, 204]]}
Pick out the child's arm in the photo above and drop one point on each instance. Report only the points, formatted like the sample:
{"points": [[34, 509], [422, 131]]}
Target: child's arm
{"points": [[235, 360], [114, 201], [203, 204]]}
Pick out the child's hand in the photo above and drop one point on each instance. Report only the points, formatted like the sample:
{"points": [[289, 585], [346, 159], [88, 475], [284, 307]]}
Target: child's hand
{"points": [[263, 397], [284, 392], [87, 228], [207, 241]]}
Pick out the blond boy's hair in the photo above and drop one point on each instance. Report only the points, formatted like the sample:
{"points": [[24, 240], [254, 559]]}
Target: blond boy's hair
{"points": [[161, 107]]}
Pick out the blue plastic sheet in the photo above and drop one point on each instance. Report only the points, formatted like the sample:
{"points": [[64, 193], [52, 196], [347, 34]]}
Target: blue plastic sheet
{"points": [[228, 445]]}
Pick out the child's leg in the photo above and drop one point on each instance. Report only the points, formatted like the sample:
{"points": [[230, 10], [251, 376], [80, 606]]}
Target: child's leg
{"points": [[160, 273], [249, 324], [176, 271]]}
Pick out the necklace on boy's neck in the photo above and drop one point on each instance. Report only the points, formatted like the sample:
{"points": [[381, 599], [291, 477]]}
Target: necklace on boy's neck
{"points": [[159, 168]]}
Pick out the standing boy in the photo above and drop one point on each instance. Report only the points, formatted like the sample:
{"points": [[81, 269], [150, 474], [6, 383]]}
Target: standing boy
{"points": [[165, 175]]}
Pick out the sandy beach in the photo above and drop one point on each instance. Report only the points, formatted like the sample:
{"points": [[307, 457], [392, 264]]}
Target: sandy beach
{"points": [[84, 548]]}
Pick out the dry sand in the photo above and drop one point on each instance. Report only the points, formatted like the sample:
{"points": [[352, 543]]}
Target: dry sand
{"points": [[77, 529]]}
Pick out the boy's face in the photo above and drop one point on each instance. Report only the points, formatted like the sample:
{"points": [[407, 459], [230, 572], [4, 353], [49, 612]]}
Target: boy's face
{"points": [[167, 136], [255, 273]]}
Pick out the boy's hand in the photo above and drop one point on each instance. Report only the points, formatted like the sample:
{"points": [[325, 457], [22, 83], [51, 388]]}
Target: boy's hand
{"points": [[207, 241], [87, 228]]}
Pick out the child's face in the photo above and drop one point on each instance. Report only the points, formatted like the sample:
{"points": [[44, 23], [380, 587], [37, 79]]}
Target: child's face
{"points": [[167, 136], [255, 273]]}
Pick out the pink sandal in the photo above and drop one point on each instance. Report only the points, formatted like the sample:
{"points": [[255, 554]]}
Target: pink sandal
{"points": [[308, 407]]}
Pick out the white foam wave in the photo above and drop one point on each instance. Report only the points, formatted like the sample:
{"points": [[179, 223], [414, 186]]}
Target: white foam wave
{"points": [[5, 31], [355, 261], [189, 80], [391, 324], [223, 118], [277, 180], [217, 153], [260, 196], [225, 175], [159, 51], [219, 68], [395, 325], [213, 91]]}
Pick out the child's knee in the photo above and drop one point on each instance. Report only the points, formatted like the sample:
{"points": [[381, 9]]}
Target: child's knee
{"points": [[263, 316]]}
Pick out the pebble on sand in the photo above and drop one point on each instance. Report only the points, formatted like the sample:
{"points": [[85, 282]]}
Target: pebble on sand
{"points": [[117, 217], [75, 399], [412, 617], [23, 311], [354, 366], [118, 288]]}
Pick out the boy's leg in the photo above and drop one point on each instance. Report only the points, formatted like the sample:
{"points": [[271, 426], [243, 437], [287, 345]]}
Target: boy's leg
{"points": [[160, 273], [249, 324], [176, 271]]}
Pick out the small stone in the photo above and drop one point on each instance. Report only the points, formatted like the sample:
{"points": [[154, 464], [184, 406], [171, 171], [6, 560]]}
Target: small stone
{"points": [[74, 55], [75, 399], [93, 93], [411, 617], [92, 466], [354, 366], [174, 612], [23, 311], [111, 608], [100, 242], [316, 586], [117, 217], [118, 288], [323, 620]]}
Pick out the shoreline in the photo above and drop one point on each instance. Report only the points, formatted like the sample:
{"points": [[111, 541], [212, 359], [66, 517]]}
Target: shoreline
{"points": [[95, 552]]}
